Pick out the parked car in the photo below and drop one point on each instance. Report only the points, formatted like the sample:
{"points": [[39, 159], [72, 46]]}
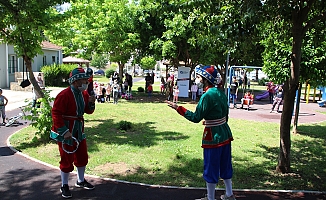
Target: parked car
{"points": [[99, 72]]}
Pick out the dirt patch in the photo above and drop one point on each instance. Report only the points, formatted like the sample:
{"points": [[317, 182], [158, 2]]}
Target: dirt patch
{"points": [[115, 169]]}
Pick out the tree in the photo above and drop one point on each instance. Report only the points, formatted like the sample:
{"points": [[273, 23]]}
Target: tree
{"points": [[99, 60], [148, 62], [100, 26], [22, 25], [286, 32]]}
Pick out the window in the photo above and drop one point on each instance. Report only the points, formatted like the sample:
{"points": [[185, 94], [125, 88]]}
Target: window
{"points": [[12, 64], [44, 60], [53, 59]]}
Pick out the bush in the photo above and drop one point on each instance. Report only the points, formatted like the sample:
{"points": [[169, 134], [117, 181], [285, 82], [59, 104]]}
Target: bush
{"points": [[41, 118], [57, 75], [109, 72], [140, 89], [263, 81], [124, 125]]}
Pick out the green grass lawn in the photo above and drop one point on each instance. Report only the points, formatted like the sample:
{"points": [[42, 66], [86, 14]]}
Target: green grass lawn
{"points": [[164, 148]]}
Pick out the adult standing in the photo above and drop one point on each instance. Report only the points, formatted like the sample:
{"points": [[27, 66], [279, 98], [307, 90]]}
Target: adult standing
{"points": [[245, 81], [169, 87], [234, 91], [153, 77], [129, 81], [148, 80], [271, 90], [217, 136], [68, 123], [116, 77]]}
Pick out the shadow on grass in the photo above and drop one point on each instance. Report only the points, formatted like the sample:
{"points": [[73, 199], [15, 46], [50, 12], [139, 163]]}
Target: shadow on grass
{"points": [[140, 134], [306, 172]]}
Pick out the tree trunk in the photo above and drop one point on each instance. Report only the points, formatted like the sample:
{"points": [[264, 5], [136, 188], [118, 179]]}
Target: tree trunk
{"points": [[297, 108], [28, 63], [290, 87], [121, 65]]}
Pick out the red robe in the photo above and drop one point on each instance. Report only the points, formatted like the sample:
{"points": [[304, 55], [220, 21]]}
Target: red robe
{"points": [[67, 114]]}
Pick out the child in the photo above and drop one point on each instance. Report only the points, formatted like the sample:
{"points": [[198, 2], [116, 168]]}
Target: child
{"points": [[278, 99], [162, 85], [2, 106], [175, 94], [194, 89], [247, 99], [108, 92], [115, 91], [150, 90]]}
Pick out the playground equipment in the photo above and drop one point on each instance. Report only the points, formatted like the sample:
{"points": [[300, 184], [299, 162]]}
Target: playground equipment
{"points": [[231, 73], [322, 103]]}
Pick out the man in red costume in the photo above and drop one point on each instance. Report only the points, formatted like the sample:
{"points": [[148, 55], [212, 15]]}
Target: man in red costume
{"points": [[68, 125]]}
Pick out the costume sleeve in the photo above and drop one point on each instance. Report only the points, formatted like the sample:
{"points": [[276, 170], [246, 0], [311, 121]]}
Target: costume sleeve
{"points": [[58, 110], [89, 106], [199, 114]]}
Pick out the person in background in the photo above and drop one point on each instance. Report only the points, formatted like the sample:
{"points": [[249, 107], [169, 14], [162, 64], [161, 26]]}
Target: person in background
{"points": [[148, 80], [278, 99], [39, 80], [271, 90], [248, 82], [125, 86], [234, 91], [217, 135], [247, 99], [176, 92], [162, 86], [150, 90], [129, 80], [194, 89], [3, 103], [108, 92], [68, 121], [35, 97], [245, 81], [115, 91]]}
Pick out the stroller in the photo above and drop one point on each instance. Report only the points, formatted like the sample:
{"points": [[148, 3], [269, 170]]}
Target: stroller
{"points": [[128, 95]]}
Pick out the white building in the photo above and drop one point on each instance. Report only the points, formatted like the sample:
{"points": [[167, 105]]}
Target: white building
{"points": [[10, 63]]}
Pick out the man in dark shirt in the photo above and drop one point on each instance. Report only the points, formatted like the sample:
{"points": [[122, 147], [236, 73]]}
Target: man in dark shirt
{"points": [[234, 91]]}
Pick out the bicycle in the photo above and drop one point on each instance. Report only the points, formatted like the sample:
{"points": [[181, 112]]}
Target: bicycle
{"points": [[14, 121]]}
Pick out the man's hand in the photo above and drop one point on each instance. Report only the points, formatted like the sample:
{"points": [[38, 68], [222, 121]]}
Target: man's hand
{"points": [[68, 135], [91, 99], [172, 105]]}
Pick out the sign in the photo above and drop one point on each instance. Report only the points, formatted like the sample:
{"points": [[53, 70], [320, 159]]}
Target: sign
{"points": [[183, 81]]}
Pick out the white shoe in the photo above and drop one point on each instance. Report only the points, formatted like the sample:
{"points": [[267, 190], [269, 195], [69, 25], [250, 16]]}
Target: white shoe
{"points": [[224, 197]]}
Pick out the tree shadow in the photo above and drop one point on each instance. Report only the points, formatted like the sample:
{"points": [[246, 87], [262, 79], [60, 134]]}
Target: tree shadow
{"points": [[140, 135]]}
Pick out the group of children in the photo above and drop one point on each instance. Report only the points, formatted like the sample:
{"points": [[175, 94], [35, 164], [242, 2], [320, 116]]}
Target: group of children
{"points": [[103, 93]]}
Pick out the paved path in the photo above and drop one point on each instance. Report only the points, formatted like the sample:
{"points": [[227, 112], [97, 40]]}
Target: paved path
{"points": [[25, 178]]}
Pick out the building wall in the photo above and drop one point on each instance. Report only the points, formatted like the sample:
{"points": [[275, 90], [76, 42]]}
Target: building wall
{"points": [[3, 70], [7, 53]]}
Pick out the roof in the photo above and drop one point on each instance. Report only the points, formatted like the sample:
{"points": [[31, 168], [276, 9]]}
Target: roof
{"points": [[49, 45], [70, 59]]}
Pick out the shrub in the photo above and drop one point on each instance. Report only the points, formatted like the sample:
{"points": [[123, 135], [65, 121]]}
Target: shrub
{"points": [[263, 81], [140, 89], [41, 118], [109, 72], [57, 75], [124, 125]]}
